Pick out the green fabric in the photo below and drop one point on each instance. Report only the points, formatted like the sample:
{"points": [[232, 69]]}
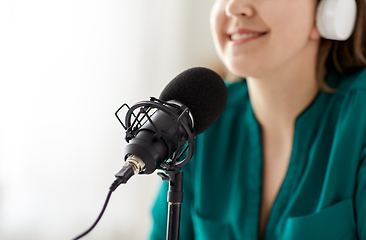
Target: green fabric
{"points": [[323, 195]]}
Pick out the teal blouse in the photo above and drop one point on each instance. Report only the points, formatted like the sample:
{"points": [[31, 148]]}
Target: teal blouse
{"points": [[323, 195]]}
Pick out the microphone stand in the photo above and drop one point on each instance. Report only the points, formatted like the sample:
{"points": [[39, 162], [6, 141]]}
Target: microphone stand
{"points": [[175, 199]]}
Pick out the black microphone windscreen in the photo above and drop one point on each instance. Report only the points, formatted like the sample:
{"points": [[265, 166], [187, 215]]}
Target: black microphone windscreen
{"points": [[200, 89]]}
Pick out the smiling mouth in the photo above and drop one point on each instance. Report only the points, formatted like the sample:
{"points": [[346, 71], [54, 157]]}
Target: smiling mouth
{"points": [[237, 36]]}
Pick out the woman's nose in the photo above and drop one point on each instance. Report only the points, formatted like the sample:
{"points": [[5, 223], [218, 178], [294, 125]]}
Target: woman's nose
{"points": [[239, 8]]}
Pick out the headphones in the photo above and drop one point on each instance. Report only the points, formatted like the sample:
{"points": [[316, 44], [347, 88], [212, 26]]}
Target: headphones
{"points": [[336, 19]]}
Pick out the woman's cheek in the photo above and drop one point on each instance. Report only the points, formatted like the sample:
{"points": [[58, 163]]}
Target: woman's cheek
{"points": [[218, 31]]}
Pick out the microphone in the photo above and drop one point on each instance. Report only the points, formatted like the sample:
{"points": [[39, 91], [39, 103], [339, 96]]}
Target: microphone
{"points": [[160, 131], [187, 106]]}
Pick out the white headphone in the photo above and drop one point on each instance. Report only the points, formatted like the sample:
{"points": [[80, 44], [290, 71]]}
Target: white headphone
{"points": [[336, 19]]}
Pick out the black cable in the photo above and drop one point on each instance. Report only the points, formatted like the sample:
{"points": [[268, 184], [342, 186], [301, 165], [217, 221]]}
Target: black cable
{"points": [[99, 217], [122, 177]]}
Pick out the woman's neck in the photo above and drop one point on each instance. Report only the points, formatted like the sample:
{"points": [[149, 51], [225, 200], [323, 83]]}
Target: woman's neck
{"points": [[279, 99]]}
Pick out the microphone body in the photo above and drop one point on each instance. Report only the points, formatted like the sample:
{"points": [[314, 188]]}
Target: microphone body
{"points": [[159, 137]]}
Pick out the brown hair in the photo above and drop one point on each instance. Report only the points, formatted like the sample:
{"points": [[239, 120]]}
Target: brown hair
{"points": [[344, 56]]}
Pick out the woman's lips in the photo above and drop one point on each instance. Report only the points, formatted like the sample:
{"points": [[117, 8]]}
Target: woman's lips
{"points": [[245, 36], [238, 36]]}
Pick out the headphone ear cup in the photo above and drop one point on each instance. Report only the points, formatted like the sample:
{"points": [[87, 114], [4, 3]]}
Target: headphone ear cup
{"points": [[335, 19]]}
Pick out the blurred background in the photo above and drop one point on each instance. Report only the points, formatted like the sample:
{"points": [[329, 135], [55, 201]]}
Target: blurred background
{"points": [[65, 67]]}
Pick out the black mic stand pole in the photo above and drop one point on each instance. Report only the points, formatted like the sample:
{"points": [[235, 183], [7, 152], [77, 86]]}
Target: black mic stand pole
{"points": [[175, 199]]}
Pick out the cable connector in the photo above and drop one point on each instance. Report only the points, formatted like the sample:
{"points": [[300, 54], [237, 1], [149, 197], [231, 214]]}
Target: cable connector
{"points": [[122, 177], [136, 163], [133, 165]]}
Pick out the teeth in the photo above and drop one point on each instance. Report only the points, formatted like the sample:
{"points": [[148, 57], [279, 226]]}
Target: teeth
{"points": [[244, 36]]}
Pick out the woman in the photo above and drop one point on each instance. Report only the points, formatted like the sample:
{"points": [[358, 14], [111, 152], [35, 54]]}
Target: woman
{"points": [[287, 157]]}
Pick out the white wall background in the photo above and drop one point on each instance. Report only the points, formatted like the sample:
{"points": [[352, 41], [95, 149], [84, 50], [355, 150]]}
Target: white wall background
{"points": [[65, 68]]}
